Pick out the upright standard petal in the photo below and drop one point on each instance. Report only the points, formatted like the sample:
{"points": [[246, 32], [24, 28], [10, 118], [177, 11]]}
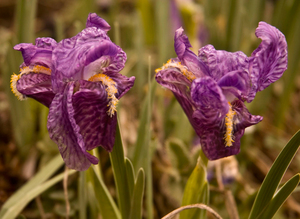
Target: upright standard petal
{"points": [[88, 53], [220, 62], [94, 20], [65, 132], [186, 56], [269, 60], [38, 54]]}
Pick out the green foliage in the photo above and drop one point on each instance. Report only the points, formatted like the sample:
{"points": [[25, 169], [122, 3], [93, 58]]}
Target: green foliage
{"points": [[268, 188], [37, 185], [196, 190]]}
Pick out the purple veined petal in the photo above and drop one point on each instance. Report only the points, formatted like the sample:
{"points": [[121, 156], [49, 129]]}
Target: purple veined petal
{"points": [[89, 49], [220, 62], [37, 86], [209, 116], [107, 58], [243, 118], [64, 131], [45, 42], [90, 104], [94, 20], [39, 54], [236, 84], [209, 100], [212, 143], [175, 81], [186, 56], [269, 60]]}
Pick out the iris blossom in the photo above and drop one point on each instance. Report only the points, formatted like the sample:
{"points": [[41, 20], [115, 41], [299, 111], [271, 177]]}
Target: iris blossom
{"points": [[213, 86], [79, 80]]}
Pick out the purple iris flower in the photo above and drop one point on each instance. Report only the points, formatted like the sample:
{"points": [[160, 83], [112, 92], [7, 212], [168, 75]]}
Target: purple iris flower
{"points": [[213, 86], [79, 80]]}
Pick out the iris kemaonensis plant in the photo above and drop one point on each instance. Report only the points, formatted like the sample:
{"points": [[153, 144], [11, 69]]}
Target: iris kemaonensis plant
{"points": [[213, 86], [79, 80]]}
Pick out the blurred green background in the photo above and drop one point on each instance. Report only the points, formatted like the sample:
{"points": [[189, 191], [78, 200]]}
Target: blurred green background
{"points": [[145, 28]]}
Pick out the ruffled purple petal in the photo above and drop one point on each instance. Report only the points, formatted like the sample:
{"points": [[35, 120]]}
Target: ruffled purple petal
{"points": [[175, 81], [37, 86], [269, 60], [90, 113], [244, 118], [221, 62], [186, 56], [38, 54], [213, 146], [64, 131], [89, 52], [211, 104], [94, 20], [235, 84]]}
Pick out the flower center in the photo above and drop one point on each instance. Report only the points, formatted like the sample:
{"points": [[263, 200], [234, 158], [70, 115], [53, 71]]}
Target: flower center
{"points": [[111, 90], [183, 69], [26, 70], [229, 126]]}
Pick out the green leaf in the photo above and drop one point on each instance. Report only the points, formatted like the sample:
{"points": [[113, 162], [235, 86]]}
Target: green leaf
{"points": [[106, 203], [19, 204], [196, 190], [284, 192], [119, 169], [130, 176], [45, 173], [141, 149], [137, 197], [274, 176]]}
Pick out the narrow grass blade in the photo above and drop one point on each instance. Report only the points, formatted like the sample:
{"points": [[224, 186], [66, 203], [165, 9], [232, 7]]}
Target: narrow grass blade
{"points": [[291, 74], [18, 205], [119, 169], [284, 192], [45, 173], [137, 197], [142, 142], [234, 25], [108, 208], [196, 190], [25, 20], [142, 155], [274, 176], [130, 176], [146, 10]]}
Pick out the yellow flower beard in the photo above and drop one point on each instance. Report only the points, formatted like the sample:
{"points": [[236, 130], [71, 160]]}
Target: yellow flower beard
{"points": [[183, 69], [110, 89], [229, 127]]}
